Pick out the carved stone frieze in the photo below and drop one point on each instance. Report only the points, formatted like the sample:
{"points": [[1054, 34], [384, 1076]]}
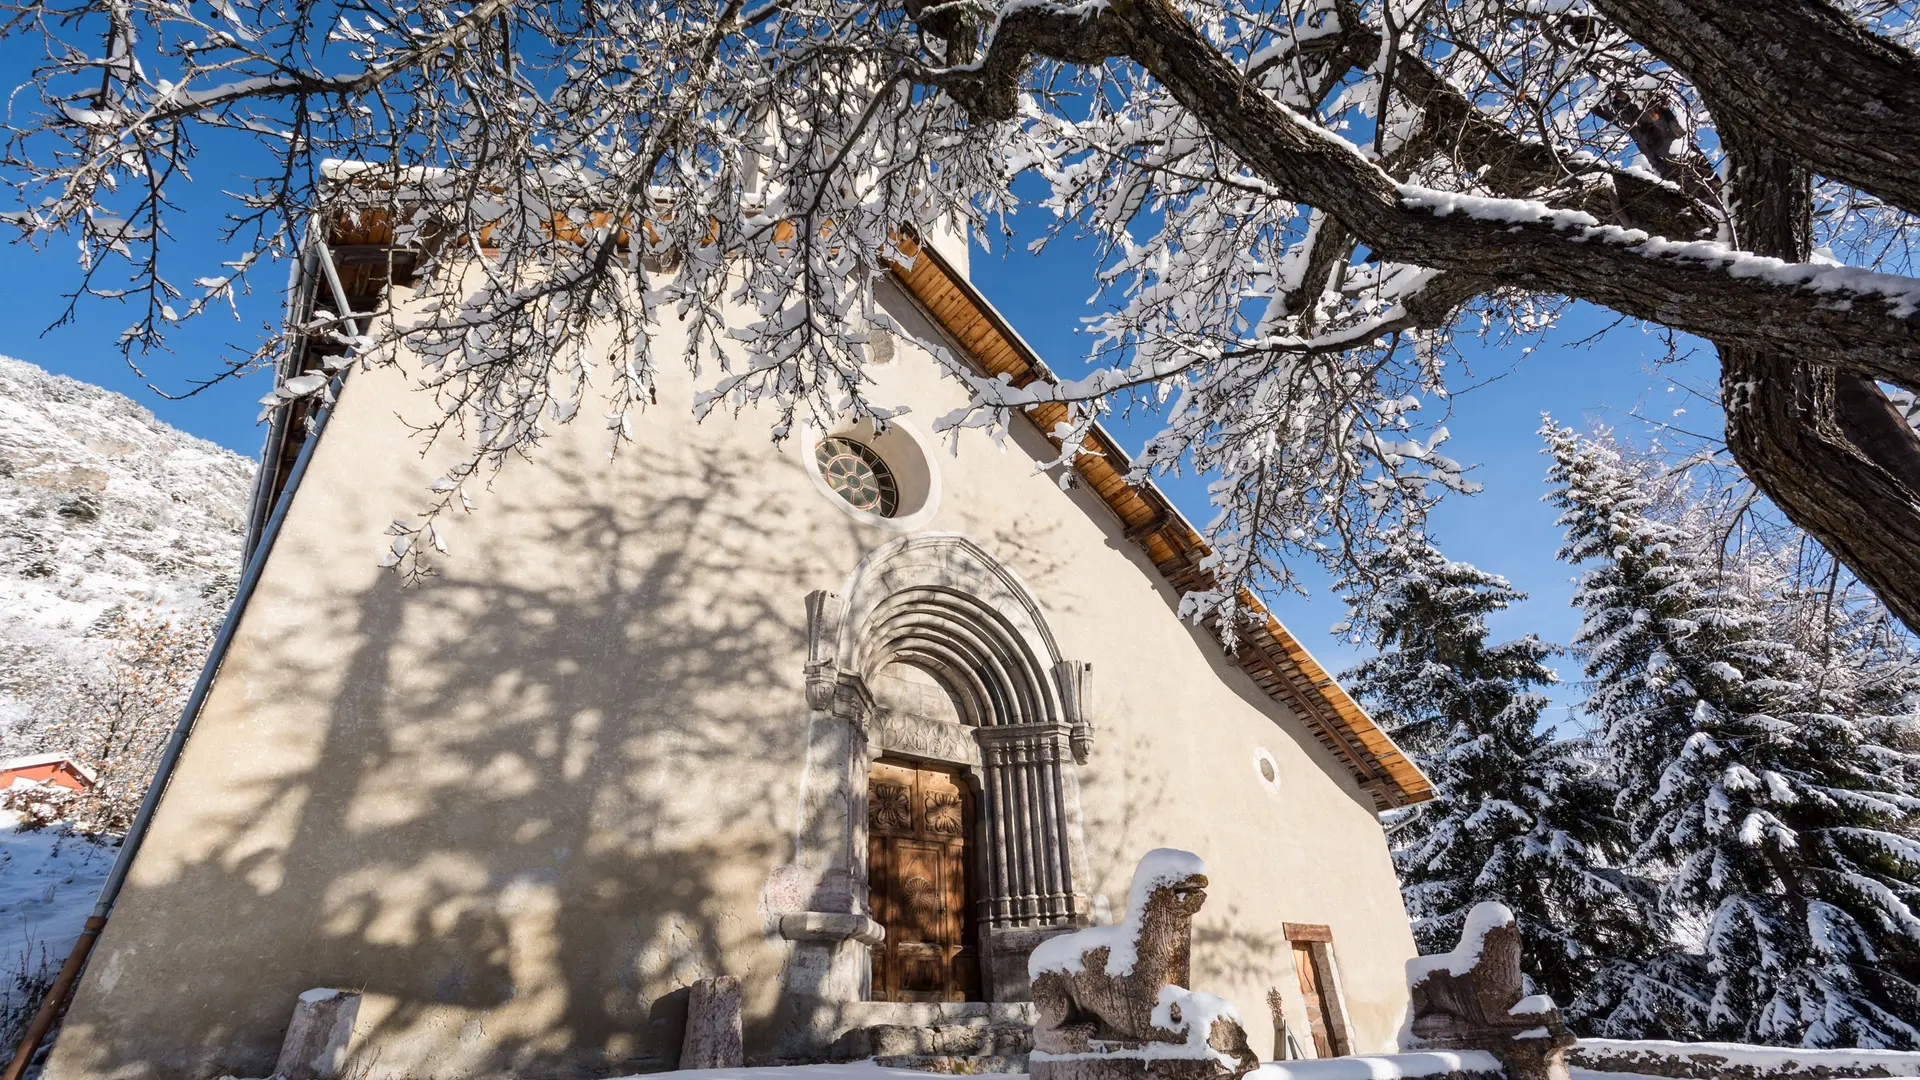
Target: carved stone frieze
{"points": [[922, 737]]}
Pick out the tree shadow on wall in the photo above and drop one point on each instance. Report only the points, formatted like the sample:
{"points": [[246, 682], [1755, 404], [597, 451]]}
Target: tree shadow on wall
{"points": [[529, 813]]}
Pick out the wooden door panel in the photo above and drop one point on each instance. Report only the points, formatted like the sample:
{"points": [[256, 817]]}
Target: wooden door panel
{"points": [[917, 826], [918, 895], [1316, 1001]]}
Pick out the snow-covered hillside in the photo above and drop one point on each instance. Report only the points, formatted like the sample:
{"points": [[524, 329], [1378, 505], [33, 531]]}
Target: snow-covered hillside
{"points": [[102, 506]]}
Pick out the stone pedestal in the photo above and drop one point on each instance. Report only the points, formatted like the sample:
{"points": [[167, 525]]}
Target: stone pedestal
{"points": [[1007, 953], [315, 1047], [713, 1025], [1117, 1067]]}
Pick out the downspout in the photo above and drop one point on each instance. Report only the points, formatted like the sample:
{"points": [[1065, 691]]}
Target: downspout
{"points": [[62, 989]]}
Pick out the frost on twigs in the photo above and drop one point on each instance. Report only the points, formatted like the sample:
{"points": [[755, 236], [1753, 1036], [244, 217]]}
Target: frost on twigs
{"points": [[564, 180]]}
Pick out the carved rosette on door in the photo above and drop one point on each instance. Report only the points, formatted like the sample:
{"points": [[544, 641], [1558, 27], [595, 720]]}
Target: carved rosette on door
{"points": [[917, 825]]}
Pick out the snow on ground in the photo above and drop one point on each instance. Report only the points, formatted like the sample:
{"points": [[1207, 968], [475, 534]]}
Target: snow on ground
{"points": [[1382, 1066], [1763, 1059], [1365, 1067], [49, 879], [856, 1070]]}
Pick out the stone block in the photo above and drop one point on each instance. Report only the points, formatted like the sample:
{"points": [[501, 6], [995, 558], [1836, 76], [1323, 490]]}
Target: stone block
{"points": [[713, 1025], [315, 1047]]}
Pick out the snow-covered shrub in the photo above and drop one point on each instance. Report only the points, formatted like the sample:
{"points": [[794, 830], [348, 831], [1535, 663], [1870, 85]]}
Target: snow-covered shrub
{"points": [[116, 718], [39, 805]]}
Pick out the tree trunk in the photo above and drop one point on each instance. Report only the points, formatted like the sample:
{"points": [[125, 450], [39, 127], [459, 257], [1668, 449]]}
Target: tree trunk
{"points": [[1828, 448]]}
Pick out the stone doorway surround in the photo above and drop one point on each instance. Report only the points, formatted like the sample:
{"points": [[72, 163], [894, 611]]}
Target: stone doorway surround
{"points": [[941, 604]]}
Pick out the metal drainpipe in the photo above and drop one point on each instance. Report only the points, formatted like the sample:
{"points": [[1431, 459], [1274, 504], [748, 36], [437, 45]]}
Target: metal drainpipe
{"points": [[69, 976]]}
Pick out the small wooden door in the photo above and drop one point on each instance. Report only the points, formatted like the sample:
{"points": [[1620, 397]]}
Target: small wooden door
{"points": [[1312, 956], [918, 821]]}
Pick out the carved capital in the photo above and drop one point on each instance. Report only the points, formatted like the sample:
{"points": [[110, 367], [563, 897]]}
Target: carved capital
{"points": [[1075, 681], [823, 678], [852, 702]]}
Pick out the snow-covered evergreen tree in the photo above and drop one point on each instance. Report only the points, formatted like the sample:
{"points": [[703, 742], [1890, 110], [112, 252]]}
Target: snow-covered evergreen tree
{"points": [[1520, 816], [1762, 798]]}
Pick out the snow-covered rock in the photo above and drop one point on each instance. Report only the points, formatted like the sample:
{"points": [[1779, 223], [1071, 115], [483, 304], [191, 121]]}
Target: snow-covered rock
{"points": [[102, 506]]}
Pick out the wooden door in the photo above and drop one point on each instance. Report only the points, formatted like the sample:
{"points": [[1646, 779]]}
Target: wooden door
{"points": [[918, 821], [1312, 961]]}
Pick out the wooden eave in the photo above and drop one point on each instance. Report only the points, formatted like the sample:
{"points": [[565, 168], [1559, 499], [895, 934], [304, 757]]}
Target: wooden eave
{"points": [[1272, 657]]}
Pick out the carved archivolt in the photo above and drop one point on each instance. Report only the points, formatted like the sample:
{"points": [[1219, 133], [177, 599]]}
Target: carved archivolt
{"points": [[942, 604]]}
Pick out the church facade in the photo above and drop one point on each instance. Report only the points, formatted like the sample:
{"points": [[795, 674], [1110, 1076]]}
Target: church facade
{"points": [[855, 719]]}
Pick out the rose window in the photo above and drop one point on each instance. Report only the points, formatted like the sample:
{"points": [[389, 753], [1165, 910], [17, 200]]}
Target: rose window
{"points": [[856, 474]]}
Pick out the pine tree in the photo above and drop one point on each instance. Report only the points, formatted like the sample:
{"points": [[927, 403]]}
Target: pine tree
{"points": [[1520, 816], [1762, 799]]}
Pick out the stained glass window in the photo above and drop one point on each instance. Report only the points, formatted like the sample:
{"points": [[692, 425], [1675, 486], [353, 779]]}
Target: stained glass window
{"points": [[857, 474]]}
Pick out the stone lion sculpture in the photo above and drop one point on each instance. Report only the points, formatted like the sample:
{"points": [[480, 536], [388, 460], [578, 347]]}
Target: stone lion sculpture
{"points": [[1110, 998], [1474, 999]]}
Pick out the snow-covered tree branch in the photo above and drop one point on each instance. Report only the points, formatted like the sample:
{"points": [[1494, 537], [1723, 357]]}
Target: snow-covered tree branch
{"points": [[1297, 202]]}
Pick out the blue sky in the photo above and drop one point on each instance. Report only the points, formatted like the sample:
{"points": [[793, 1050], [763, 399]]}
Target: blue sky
{"points": [[1505, 529]]}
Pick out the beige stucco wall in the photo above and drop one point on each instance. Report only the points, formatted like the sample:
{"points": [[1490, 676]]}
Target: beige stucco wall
{"points": [[523, 802]]}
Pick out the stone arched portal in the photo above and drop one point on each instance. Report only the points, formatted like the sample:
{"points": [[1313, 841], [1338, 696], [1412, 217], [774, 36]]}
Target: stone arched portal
{"points": [[940, 604]]}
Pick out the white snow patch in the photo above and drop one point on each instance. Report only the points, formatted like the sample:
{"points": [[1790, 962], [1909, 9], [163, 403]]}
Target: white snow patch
{"points": [[49, 880], [855, 1070], [1763, 1059], [1531, 1005], [1900, 294], [1482, 920], [1382, 1066]]}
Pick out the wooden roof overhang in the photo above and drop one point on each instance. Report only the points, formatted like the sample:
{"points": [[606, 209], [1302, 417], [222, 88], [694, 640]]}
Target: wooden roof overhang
{"points": [[1272, 657], [367, 261]]}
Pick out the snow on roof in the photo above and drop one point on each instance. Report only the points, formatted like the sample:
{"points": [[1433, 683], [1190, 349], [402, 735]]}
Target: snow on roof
{"points": [[33, 761]]}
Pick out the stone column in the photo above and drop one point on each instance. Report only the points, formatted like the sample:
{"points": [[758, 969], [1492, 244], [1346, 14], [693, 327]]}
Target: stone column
{"points": [[829, 961], [1038, 855]]}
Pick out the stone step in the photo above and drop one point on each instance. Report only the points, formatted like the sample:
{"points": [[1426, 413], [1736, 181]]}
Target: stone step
{"points": [[962, 1045], [954, 1066]]}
